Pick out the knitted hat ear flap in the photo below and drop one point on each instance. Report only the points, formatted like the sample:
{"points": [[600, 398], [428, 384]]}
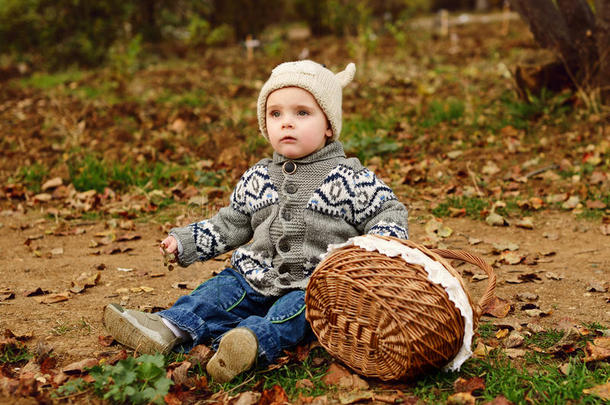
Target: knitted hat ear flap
{"points": [[344, 78]]}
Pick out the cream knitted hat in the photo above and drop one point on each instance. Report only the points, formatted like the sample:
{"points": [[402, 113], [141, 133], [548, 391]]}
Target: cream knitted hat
{"points": [[325, 86]]}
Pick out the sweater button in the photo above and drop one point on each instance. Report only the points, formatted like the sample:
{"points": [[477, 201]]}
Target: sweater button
{"points": [[286, 215], [284, 246], [291, 188], [283, 268], [289, 167]]}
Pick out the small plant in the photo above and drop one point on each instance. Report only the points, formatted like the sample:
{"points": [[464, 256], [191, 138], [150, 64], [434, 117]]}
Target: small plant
{"points": [[14, 352], [545, 339], [32, 176], [139, 380], [473, 206], [450, 110]]}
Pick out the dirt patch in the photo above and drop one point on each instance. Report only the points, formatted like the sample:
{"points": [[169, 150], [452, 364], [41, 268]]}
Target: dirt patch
{"points": [[137, 278]]}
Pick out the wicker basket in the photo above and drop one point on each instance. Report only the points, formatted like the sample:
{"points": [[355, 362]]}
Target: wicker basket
{"points": [[383, 317]]}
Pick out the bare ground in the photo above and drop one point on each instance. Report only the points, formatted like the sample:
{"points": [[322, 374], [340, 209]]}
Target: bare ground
{"points": [[581, 260]]}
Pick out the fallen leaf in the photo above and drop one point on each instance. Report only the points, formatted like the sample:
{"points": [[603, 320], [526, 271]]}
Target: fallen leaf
{"points": [[514, 353], [482, 350], [52, 183], [54, 298], [245, 398], [274, 395], [435, 228], [571, 203], [461, 398], [497, 307], [200, 354], [474, 241], [596, 286], [494, 219], [6, 294], [553, 276], [515, 339], [353, 382], [106, 341], [503, 246], [595, 205], [351, 397], [79, 366], [526, 223], [304, 383], [469, 385], [605, 229], [602, 391], [499, 400], [512, 258], [334, 374], [128, 237], [537, 312], [501, 333], [526, 296], [598, 350]]}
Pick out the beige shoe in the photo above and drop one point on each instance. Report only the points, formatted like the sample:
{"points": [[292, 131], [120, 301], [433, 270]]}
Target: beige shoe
{"points": [[236, 353], [145, 333]]}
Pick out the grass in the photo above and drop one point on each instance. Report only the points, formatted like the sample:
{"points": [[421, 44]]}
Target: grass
{"points": [[32, 176], [91, 173], [286, 376], [45, 81], [368, 137], [473, 206], [12, 353], [450, 111]]}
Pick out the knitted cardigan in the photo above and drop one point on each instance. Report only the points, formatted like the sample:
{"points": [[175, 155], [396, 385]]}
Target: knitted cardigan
{"points": [[281, 220]]}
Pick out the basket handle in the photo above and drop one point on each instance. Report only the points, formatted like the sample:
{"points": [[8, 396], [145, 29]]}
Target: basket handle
{"points": [[482, 264]]}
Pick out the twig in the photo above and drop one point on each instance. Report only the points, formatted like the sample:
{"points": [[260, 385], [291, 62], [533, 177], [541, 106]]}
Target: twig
{"points": [[542, 170], [474, 180], [587, 251], [76, 394], [242, 384]]}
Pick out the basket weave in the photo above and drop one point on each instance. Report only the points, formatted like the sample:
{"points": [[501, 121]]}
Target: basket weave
{"points": [[382, 317]]}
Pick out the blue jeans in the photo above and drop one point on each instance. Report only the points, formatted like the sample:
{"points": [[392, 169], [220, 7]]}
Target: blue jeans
{"points": [[227, 301]]}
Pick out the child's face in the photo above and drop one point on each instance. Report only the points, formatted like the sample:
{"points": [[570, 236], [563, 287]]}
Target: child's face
{"points": [[296, 124]]}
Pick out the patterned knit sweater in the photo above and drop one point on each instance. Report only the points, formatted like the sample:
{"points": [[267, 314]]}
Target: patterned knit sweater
{"points": [[284, 213]]}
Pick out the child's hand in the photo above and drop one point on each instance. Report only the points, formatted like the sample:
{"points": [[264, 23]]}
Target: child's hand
{"points": [[169, 245], [169, 250]]}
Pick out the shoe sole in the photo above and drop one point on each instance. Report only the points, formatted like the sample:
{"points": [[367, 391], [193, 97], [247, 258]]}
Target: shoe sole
{"points": [[232, 357], [124, 332]]}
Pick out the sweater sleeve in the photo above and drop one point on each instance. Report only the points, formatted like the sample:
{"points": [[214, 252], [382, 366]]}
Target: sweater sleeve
{"points": [[380, 211], [229, 228]]}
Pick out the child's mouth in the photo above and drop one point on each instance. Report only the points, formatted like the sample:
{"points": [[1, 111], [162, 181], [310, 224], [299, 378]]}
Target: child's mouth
{"points": [[288, 139]]}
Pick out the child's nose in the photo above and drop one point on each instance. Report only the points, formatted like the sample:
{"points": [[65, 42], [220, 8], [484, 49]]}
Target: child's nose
{"points": [[287, 123]]}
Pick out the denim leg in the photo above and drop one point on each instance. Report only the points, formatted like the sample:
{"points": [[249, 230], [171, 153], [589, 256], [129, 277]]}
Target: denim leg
{"points": [[215, 307], [283, 327]]}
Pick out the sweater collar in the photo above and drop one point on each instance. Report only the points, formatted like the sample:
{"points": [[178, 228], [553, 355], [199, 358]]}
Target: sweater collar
{"points": [[330, 151]]}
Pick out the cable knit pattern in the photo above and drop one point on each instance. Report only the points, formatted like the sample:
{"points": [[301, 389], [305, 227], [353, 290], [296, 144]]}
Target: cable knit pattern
{"points": [[388, 229], [351, 195], [254, 191]]}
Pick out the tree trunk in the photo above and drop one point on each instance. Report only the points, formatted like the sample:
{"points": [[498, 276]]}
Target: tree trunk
{"points": [[579, 37], [602, 28]]}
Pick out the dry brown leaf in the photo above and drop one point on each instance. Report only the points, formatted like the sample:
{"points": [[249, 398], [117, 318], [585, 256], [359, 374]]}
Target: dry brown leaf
{"points": [[500, 400], [334, 374], [525, 223], [602, 391], [461, 398], [598, 350], [54, 298], [274, 395], [605, 229], [79, 366], [469, 385], [351, 397], [497, 307]]}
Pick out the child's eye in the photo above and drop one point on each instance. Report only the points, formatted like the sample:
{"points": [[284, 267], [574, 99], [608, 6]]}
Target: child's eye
{"points": [[274, 114], [303, 112]]}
